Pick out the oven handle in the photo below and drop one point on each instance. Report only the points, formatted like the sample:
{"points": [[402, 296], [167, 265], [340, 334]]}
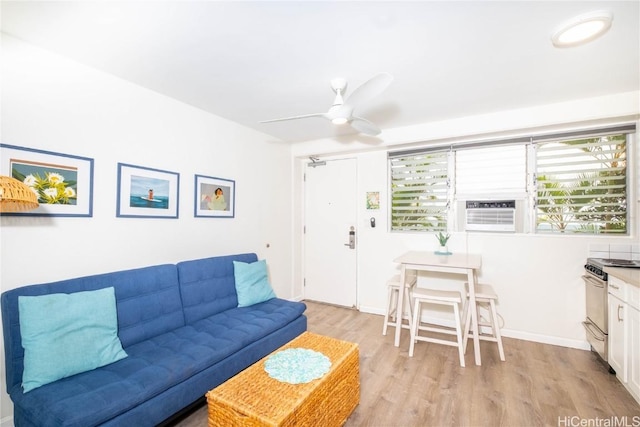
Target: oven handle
{"points": [[592, 331], [593, 281]]}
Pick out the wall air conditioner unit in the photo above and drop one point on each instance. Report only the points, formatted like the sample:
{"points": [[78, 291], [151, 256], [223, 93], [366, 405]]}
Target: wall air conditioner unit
{"points": [[490, 215]]}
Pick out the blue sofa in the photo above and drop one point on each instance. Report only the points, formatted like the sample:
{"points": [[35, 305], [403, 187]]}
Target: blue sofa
{"points": [[181, 329]]}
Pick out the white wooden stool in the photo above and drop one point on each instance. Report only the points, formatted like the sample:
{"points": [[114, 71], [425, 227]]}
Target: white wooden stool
{"points": [[393, 287], [485, 297], [452, 299]]}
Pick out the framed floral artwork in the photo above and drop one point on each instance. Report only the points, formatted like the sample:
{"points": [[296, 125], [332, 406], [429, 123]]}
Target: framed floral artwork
{"points": [[215, 197], [147, 193], [63, 183]]}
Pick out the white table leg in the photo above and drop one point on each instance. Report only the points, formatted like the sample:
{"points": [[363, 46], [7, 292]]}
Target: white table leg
{"points": [[472, 280], [400, 309]]}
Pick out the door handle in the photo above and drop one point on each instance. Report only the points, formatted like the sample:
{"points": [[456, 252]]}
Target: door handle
{"points": [[594, 282], [352, 238], [592, 331]]}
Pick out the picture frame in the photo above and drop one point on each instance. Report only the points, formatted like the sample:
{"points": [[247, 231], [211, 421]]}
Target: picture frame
{"points": [[373, 200], [209, 202], [62, 182], [145, 192]]}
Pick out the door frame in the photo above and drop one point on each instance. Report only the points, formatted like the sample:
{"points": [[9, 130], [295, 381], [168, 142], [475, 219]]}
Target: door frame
{"points": [[299, 217]]}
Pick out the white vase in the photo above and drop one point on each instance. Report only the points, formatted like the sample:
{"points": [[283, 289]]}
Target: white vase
{"points": [[443, 249]]}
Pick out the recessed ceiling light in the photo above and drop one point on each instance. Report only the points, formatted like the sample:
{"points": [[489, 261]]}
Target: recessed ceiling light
{"points": [[582, 29]]}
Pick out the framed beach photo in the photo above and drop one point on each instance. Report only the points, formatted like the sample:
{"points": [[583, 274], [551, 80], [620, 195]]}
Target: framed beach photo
{"points": [[215, 197], [146, 192], [63, 183]]}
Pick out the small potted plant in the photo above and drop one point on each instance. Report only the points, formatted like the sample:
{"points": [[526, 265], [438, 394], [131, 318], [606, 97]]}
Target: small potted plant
{"points": [[443, 239]]}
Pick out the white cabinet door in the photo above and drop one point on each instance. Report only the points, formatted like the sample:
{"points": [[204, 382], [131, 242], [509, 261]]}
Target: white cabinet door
{"points": [[633, 337], [617, 337]]}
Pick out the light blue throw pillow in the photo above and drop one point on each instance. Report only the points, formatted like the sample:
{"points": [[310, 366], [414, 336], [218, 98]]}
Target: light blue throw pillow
{"points": [[252, 283], [66, 334]]}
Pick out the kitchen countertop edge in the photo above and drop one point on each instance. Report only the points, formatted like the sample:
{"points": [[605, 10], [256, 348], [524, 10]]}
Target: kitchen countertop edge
{"points": [[629, 275]]}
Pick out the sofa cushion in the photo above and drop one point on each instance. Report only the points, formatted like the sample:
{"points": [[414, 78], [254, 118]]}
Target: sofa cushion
{"points": [[155, 365], [207, 285], [243, 325], [65, 334], [252, 282], [147, 299]]}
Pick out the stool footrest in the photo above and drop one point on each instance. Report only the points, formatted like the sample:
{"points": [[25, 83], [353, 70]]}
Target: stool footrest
{"points": [[437, 329], [437, 341]]}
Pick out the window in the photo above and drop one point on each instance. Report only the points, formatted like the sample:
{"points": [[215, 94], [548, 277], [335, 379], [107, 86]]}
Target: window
{"points": [[569, 183], [420, 191], [496, 170], [581, 185]]}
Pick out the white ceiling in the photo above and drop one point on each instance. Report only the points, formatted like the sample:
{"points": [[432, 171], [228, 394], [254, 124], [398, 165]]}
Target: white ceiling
{"points": [[252, 61]]}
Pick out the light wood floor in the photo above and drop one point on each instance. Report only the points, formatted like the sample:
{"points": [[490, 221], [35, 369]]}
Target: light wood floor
{"points": [[537, 385]]}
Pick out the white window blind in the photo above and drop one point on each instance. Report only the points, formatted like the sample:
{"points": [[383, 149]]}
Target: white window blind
{"points": [[581, 185], [420, 191], [574, 182], [491, 171]]}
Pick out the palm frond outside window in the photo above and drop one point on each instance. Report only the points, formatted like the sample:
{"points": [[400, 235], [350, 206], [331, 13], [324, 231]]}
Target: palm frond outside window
{"points": [[581, 185]]}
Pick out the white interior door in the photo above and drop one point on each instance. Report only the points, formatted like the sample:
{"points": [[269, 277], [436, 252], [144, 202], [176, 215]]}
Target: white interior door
{"points": [[330, 215]]}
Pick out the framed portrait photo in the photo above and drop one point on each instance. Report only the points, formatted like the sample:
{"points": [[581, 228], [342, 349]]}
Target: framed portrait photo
{"points": [[146, 192], [63, 183], [215, 197]]}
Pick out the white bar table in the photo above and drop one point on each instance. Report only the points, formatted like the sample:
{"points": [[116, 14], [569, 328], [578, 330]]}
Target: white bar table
{"points": [[464, 263]]}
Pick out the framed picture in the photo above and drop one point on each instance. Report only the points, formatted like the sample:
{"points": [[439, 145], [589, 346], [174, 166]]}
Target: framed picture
{"points": [[373, 200], [62, 182], [147, 193], [215, 197]]}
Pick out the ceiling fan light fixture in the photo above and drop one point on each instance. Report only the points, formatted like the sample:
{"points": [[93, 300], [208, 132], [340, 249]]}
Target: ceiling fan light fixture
{"points": [[582, 29], [341, 112]]}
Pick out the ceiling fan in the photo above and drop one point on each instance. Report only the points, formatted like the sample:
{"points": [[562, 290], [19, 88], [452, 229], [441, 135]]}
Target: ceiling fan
{"points": [[341, 112]]}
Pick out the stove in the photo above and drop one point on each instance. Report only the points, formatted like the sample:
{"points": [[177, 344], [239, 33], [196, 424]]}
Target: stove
{"points": [[596, 323], [613, 262], [595, 268]]}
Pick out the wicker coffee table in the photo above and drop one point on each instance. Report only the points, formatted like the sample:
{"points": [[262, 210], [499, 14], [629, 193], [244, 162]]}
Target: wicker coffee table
{"points": [[253, 398]]}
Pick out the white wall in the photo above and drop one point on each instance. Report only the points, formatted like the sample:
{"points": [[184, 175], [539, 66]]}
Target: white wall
{"points": [[54, 104], [537, 277]]}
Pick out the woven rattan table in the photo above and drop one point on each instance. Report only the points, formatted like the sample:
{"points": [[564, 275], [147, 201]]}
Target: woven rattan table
{"points": [[252, 398]]}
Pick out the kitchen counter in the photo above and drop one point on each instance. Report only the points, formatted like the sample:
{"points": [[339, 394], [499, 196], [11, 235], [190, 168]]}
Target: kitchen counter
{"points": [[629, 275]]}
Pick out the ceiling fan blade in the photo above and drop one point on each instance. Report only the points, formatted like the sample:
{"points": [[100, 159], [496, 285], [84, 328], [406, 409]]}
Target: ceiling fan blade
{"points": [[303, 116], [364, 126], [369, 89]]}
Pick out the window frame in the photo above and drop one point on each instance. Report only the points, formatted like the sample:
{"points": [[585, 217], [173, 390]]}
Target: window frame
{"points": [[441, 216], [580, 189], [529, 195]]}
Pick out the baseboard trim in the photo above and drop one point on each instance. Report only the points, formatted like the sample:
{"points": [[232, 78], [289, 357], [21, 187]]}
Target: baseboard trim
{"points": [[546, 339], [6, 421], [509, 333]]}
